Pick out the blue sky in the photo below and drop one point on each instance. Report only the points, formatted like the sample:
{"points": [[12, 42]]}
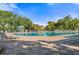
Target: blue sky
{"points": [[41, 13]]}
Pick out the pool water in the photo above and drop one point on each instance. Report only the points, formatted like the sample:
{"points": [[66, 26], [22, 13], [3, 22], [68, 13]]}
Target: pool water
{"points": [[47, 34]]}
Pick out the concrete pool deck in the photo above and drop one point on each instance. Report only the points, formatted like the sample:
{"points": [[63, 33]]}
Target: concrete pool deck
{"points": [[60, 47], [34, 38], [40, 45]]}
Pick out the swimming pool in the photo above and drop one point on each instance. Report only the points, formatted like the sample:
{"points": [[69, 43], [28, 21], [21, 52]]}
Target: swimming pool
{"points": [[46, 34]]}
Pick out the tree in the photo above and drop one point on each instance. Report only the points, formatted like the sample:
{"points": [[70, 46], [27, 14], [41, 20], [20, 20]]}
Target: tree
{"points": [[50, 26], [66, 23], [10, 21], [13, 21]]}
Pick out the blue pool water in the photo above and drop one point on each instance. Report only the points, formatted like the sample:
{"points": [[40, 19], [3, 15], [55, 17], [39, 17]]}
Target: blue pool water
{"points": [[47, 34]]}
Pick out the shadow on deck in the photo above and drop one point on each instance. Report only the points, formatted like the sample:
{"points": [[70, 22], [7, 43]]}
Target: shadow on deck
{"points": [[68, 46]]}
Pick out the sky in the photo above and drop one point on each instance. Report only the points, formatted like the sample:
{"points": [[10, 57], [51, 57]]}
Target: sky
{"points": [[41, 13]]}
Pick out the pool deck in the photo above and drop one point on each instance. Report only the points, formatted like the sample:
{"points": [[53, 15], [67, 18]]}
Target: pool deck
{"points": [[35, 38], [29, 45]]}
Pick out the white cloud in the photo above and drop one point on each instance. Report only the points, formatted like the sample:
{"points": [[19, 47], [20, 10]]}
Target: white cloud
{"points": [[75, 15], [55, 18], [76, 3], [51, 4], [10, 7], [13, 5], [7, 7]]}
